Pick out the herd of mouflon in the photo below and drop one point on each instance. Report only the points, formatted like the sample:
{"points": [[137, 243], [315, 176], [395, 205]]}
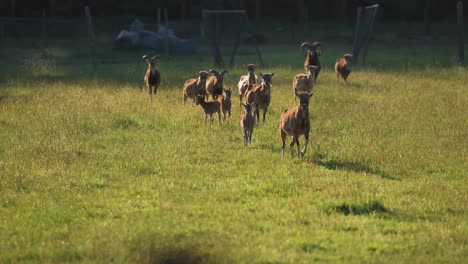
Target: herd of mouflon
{"points": [[255, 95]]}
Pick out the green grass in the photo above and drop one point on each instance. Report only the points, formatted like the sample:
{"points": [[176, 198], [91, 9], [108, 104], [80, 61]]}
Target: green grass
{"points": [[91, 171]]}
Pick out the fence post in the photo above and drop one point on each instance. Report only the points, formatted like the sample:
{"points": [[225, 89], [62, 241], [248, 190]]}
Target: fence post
{"points": [[359, 11], [44, 29], [461, 47], [2, 35], [92, 44], [159, 18], [368, 37], [166, 42]]}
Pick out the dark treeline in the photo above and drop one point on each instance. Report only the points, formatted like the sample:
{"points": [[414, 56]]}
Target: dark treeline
{"points": [[295, 10]]}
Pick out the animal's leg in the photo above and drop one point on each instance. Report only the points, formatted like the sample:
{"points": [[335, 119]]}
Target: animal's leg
{"points": [[148, 89], [306, 135], [283, 141], [298, 146], [257, 116], [206, 118], [291, 146], [240, 99], [244, 134], [264, 113], [219, 118]]}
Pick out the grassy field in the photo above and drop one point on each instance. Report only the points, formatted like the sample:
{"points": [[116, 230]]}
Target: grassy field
{"points": [[91, 171]]}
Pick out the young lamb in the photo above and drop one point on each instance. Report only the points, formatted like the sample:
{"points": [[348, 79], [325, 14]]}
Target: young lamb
{"points": [[304, 82], [343, 67], [247, 122], [225, 101], [246, 81], [214, 84], [196, 86], [295, 121], [152, 76], [209, 108], [314, 51], [260, 95]]}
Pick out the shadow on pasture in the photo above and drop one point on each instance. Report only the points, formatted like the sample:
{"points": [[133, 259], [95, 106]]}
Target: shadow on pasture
{"points": [[350, 166], [154, 248], [354, 85], [176, 255]]}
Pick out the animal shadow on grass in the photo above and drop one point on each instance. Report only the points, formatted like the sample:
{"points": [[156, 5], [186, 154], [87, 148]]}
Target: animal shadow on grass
{"points": [[172, 256], [152, 248], [370, 207], [332, 164], [354, 85]]}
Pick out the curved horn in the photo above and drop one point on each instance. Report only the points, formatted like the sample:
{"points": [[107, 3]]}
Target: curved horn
{"points": [[303, 45], [318, 47]]}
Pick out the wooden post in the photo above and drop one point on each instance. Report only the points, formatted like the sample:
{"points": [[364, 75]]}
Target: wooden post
{"points": [[52, 8], [44, 29], [92, 43], [359, 11], [166, 43], [234, 51], [461, 47], [427, 26], [258, 8], [301, 12], [13, 2], [159, 18], [258, 53], [368, 37]]}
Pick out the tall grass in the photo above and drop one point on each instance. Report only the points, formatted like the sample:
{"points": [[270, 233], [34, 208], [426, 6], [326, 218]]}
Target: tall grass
{"points": [[91, 171]]}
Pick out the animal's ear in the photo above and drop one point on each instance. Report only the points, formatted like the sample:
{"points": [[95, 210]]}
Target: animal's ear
{"points": [[212, 71], [272, 74], [297, 94], [156, 57], [245, 66], [223, 72], [146, 58], [311, 94], [261, 74], [244, 105]]}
